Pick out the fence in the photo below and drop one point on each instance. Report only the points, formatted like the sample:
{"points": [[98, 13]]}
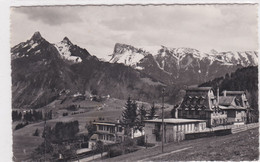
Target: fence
{"points": [[221, 132]]}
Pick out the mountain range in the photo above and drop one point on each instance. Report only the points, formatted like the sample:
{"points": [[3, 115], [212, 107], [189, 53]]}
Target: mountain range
{"points": [[42, 70], [182, 65]]}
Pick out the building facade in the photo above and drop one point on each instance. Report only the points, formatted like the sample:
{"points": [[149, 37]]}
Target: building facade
{"points": [[201, 103], [175, 129], [108, 132], [236, 105]]}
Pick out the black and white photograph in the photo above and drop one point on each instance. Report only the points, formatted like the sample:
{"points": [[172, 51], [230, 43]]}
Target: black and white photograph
{"points": [[154, 82]]}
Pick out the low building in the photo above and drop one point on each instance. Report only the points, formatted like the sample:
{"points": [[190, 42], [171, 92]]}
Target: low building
{"points": [[109, 132], [175, 129]]}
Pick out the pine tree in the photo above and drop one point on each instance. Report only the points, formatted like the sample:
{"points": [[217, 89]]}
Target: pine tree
{"points": [[142, 113], [129, 115], [152, 111]]}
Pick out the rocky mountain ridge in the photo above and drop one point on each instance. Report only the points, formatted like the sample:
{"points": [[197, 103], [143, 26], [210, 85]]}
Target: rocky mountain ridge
{"points": [[186, 65], [42, 70]]}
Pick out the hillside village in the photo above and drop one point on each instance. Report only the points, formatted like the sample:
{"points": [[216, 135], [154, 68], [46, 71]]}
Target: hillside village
{"points": [[82, 108], [202, 113]]}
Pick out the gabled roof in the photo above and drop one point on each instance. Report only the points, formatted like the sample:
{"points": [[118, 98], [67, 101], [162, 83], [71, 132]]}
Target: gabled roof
{"points": [[226, 100]]}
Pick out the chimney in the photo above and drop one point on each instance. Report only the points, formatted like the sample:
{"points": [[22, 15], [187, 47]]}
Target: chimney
{"points": [[225, 93], [217, 95]]}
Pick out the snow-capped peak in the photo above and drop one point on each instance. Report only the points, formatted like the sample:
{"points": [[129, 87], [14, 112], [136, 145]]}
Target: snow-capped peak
{"points": [[132, 56], [127, 54], [63, 48]]}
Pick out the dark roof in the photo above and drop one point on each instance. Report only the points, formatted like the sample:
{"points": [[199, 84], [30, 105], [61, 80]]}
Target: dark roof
{"points": [[194, 101], [198, 88], [226, 100], [234, 92]]}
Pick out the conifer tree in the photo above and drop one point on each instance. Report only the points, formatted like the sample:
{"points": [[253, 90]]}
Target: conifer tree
{"points": [[129, 115], [142, 113], [152, 111]]}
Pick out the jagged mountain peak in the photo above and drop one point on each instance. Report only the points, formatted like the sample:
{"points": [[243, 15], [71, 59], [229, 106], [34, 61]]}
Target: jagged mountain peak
{"points": [[36, 36], [66, 41], [127, 54]]}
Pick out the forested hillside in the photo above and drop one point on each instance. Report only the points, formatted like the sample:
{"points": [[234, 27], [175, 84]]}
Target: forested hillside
{"points": [[244, 79]]}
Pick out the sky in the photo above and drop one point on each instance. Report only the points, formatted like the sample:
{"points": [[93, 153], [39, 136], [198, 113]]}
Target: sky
{"points": [[98, 28]]}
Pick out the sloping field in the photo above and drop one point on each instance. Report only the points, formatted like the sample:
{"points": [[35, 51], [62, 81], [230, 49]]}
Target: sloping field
{"points": [[233, 147]]}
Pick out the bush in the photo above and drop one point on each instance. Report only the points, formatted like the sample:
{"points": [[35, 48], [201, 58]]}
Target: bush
{"points": [[20, 125], [149, 144], [128, 142], [140, 141], [65, 114], [130, 149], [72, 108], [36, 133], [114, 151], [84, 145]]}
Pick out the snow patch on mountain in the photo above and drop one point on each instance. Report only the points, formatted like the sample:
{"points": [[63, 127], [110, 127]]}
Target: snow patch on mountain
{"points": [[131, 56], [127, 55], [63, 48]]}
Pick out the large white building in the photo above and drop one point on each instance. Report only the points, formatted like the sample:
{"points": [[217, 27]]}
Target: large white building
{"points": [[174, 129]]}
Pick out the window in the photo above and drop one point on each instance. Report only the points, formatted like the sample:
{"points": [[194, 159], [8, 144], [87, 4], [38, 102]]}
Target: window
{"points": [[197, 112]]}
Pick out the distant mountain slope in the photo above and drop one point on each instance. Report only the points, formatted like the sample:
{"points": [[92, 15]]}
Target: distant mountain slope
{"points": [[42, 70], [182, 65], [244, 79]]}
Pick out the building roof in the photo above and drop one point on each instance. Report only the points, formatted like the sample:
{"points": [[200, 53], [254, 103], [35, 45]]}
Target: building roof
{"points": [[231, 107], [106, 123], [94, 137], [198, 88], [194, 101], [174, 121], [234, 92], [226, 100]]}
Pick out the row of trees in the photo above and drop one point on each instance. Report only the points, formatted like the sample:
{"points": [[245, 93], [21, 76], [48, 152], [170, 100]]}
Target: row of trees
{"points": [[54, 138], [61, 131], [16, 116], [31, 116]]}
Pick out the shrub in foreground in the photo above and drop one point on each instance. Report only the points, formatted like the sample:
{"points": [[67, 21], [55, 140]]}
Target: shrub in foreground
{"points": [[114, 151]]}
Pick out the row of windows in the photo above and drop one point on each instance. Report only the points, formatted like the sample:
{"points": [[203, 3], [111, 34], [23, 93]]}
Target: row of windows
{"points": [[106, 137], [194, 112], [111, 129]]}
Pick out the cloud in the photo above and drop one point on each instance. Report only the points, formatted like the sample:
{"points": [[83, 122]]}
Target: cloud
{"points": [[98, 28], [51, 15]]}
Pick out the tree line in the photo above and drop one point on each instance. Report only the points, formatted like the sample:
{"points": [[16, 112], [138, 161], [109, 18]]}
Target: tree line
{"points": [[31, 116]]}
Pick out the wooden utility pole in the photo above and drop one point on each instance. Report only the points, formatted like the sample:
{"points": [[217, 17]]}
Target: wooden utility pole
{"points": [[44, 137], [162, 119]]}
